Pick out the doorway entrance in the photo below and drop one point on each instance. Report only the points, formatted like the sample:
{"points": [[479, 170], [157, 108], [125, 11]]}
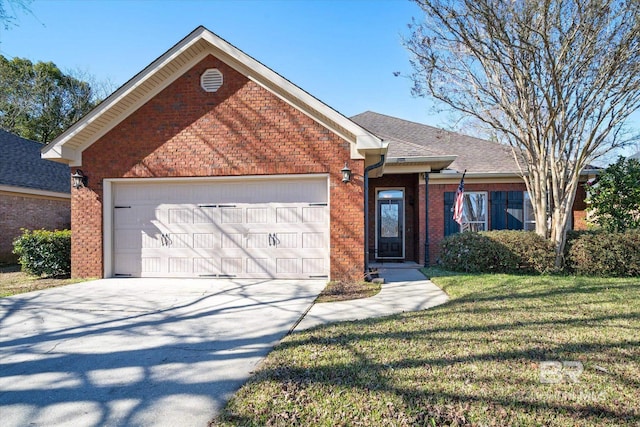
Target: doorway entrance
{"points": [[390, 223]]}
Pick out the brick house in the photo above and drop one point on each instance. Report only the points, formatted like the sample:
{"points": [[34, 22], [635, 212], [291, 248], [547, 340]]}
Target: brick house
{"points": [[34, 193], [209, 164]]}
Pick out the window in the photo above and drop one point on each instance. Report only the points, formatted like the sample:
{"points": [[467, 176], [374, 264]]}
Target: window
{"points": [[475, 212], [529, 218]]}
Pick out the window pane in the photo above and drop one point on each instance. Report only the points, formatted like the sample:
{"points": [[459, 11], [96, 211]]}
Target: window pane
{"points": [[474, 206], [529, 218], [390, 194], [389, 220]]}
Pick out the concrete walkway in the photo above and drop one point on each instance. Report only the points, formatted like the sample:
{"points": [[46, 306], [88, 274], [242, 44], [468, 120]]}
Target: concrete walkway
{"points": [[405, 289]]}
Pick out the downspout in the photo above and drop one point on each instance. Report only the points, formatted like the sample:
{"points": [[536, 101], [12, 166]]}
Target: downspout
{"points": [[426, 219], [366, 210]]}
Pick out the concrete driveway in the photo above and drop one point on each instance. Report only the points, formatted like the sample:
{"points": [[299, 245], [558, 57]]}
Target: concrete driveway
{"points": [[138, 352]]}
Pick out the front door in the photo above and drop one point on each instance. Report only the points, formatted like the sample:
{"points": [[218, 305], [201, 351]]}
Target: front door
{"points": [[390, 230]]}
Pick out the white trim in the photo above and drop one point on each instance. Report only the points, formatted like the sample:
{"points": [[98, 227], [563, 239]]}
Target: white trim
{"points": [[107, 224], [34, 192], [220, 178], [404, 226]]}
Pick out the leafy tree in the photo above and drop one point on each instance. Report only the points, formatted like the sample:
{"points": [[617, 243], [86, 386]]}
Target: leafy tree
{"points": [[38, 101], [615, 197], [555, 79]]}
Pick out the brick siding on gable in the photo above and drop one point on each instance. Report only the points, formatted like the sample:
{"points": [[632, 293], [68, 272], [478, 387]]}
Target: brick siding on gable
{"points": [[30, 212], [242, 129]]}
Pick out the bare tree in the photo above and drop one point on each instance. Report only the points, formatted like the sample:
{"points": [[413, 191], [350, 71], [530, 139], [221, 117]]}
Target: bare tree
{"points": [[556, 79], [9, 10]]}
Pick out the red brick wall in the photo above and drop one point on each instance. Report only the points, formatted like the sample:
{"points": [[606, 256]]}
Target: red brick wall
{"points": [[241, 129], [580, 209], [31, 212], [436, 209]]}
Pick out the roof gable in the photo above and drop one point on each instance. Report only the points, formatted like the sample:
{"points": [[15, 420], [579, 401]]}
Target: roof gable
{"points": [[69, 146], [21, 166]]}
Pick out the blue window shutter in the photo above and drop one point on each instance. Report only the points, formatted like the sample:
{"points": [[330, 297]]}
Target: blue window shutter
{"points": [[515, 211], [450, 226], [498, 210]]}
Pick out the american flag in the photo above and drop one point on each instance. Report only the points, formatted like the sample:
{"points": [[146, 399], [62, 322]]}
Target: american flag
{"points": [[458, 207]]}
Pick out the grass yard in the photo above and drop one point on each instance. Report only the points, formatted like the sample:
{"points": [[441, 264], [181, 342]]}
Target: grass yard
{"points": [[478, 360], [13, 281]]}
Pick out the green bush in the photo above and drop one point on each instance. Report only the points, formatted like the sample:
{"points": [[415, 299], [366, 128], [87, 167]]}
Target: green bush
{"points": [[43, 252], [534, 253], [475, 253], [600, 253], [497, 252]]}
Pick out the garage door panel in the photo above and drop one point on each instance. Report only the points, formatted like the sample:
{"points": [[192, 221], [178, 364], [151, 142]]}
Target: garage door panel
{"points": [[313, 266], [206, 266], [257, 240], [231, 266], [314, 214], [259, 266], [205, 215], [180, 216], [206, 232], [205, 240], [285, 266]]}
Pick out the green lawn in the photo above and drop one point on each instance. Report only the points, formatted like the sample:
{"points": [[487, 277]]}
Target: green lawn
{"points": [[13, 281], [476, 360]]}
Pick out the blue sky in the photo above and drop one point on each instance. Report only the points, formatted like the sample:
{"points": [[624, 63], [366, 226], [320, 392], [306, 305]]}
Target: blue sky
{"points": [[343, 52]]}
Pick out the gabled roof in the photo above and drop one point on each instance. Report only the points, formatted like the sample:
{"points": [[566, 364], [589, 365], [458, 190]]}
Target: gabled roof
{"points": [[22, 167], [410, 139], [635, 156], [68, 147]]}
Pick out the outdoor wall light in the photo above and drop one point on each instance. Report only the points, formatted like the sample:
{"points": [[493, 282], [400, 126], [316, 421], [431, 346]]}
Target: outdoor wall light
{"points": [[79, 179], [346, 173]]}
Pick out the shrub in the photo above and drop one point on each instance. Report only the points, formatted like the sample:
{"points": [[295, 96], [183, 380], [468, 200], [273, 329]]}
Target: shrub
{"points": [[600, 253], [43, 252], [497, 252], [534, 253], [475, 253]]}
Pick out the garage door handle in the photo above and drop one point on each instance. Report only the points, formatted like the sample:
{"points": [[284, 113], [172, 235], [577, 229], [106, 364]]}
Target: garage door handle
{"points": [[166, 240], [273, 240]]}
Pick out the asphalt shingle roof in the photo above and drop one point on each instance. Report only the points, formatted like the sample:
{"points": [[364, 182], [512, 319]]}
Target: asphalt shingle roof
{"points": [[22, 166], [415, 139]]}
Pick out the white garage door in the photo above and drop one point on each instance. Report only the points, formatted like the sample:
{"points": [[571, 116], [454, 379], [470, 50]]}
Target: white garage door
{"points": [[276, 228]]}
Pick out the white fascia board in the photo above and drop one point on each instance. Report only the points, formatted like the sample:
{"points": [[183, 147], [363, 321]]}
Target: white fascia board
{"points": [[478, 177], [34, 192], [62, 154]]}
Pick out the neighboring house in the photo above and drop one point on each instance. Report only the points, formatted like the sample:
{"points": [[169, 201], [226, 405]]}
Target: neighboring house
{"points": [[635, 156], [34, 193], [209, 164]]}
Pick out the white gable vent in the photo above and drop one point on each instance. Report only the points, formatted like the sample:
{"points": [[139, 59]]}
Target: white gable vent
{"points": [[211, 80]]}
